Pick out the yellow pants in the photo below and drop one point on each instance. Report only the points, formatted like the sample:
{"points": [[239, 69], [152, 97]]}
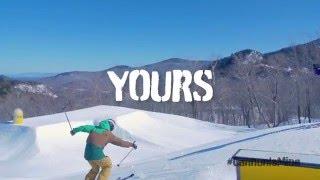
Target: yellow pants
{"points": [[105, 164]]}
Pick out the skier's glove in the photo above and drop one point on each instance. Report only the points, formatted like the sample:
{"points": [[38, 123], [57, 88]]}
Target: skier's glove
{"points": [[134, 145], [72, 132]]}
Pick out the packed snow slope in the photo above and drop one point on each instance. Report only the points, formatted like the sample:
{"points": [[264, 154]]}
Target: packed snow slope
{"points": [[210, 161], [170, 147], [44, 149]]}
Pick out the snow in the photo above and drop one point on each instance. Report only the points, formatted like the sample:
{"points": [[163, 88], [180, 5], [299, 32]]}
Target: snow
{"points": [[16, 142], [289, 69], [169, 146], [154, 134], [253, 57], [157, 132], [212, 164], [35, 89]]}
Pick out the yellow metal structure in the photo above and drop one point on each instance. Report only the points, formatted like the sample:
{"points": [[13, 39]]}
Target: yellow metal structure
{"points": [[18, 117], [266, 165], [278, 173]]}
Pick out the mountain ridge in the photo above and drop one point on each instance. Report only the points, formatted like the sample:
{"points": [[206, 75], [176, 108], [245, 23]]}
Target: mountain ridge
{"points": [[81, 89]]}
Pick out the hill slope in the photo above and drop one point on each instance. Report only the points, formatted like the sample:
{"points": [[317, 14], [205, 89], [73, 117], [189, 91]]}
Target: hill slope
{"points": [[156, 134]]}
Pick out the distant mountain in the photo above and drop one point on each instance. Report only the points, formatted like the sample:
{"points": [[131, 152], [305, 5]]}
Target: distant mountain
{"points": [[33, 97], [244, 82], [30, 76]]}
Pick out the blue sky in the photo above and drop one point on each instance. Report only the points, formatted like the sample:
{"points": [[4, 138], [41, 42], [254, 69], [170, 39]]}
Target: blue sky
{"points": [[59, 36]]}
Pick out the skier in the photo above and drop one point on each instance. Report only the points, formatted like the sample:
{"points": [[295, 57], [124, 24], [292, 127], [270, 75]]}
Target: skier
{"points": [[99, 136]]}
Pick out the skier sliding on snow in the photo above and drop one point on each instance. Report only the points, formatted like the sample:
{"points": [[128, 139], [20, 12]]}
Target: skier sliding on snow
{"points": [[99, 136]]}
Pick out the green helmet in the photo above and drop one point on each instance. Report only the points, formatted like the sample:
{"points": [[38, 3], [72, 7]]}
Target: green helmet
{"points": [[107, 124]]}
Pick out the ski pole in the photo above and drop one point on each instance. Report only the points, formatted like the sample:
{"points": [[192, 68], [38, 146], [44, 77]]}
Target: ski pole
{"points": [[125, 156], [68, 120]]}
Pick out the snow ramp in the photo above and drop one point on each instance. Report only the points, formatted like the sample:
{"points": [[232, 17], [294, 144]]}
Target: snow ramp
{"points": [[16, 142], [165, 133]]}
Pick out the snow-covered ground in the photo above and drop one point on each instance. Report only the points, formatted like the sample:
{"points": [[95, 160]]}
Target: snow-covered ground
{"points": [[35, 89], [169, 146]]}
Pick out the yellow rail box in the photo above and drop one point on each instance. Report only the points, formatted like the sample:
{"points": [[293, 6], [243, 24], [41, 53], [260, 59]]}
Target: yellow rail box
{"points": [[267, 165]]}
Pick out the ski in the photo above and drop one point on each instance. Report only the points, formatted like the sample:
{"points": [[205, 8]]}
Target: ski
{"points": [[125, 178]]}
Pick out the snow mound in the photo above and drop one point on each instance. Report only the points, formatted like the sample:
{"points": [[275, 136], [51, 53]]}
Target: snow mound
{"points": [[168, 134], [16, 142]]}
